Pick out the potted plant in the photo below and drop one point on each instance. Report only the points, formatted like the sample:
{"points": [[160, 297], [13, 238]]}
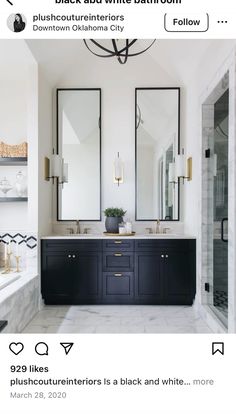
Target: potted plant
{"points": [[114, 216]]}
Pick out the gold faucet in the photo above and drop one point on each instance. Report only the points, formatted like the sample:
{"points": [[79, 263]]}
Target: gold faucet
{"points": [[165, 230], [86, 230], [77, 227], [158, 226], [70, 230]]}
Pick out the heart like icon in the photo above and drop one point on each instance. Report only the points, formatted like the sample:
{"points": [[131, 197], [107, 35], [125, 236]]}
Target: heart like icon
{"points": [[16, 348]]}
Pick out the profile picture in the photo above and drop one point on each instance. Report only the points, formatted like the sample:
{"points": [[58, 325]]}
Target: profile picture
{"points": [[16, 22]]}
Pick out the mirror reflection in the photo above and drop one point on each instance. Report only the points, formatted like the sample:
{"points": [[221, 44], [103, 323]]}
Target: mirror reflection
{"points": [[79, 144], [157, 145]]}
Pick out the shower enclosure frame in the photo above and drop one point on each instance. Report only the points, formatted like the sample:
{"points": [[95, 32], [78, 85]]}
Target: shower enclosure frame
{"points": [[205, 262]]}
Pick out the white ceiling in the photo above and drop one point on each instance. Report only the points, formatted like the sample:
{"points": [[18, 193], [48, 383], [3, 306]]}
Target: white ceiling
{"points": [[56, 57], [180, 56]]}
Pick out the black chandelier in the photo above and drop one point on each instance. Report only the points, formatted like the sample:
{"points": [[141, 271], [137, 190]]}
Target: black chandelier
{"points": [[120, 52]]}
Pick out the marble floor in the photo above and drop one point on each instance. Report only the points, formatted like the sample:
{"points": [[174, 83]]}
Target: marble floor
{"points": [[117, 319]]}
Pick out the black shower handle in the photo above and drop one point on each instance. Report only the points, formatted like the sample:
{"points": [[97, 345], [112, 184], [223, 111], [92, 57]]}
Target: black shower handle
{"points": [[222, 230]]}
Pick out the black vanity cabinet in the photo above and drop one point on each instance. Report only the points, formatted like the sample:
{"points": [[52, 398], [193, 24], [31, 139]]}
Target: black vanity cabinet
{"points": [[127, 271], [165, 271], [71, 271]]}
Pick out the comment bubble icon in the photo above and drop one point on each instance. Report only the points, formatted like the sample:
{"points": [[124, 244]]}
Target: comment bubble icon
{"points": [[41, 349]]}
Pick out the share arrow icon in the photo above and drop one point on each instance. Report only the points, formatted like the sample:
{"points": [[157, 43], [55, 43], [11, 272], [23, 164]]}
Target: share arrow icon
{"points": [[67, 346]]}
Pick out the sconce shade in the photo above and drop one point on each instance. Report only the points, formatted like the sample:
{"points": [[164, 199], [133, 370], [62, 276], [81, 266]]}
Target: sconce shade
{"points": [[56, 166], [180, 165]]}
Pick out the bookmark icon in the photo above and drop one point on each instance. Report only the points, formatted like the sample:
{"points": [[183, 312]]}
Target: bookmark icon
{"points": [[218, 347], [67, 346]]}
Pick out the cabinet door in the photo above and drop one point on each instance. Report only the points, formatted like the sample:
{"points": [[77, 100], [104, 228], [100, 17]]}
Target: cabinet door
{"points": [[148, 278], [58, 271], [179, 279], [87, 279], [118, 288], [71, 278]]}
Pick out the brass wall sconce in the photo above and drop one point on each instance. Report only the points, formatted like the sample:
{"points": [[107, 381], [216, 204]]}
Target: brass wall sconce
{"points": [[184, 170], [55, 169], [118, 171], [189, 169]]}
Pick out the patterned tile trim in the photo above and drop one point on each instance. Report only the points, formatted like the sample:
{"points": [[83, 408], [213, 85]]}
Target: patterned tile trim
{"points": [[30, 241]]}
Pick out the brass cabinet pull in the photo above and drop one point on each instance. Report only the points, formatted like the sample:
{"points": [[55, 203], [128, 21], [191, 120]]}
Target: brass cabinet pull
{"points": [[118, 254], [118, 242], [118, 275]]}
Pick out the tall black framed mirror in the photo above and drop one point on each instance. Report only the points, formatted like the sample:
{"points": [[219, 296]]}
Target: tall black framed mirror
{"points": [[157, 143], [79, 145]]}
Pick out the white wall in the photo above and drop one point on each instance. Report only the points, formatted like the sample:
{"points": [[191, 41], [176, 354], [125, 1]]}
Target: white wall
{"points": [[118, 83], [13, 110], [33, 140], [118, 115], [16, 113], [45, 114]]}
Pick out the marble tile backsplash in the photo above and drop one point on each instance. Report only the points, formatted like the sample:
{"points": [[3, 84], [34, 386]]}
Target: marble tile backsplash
{"points": [[27, 243], [99, 227]]}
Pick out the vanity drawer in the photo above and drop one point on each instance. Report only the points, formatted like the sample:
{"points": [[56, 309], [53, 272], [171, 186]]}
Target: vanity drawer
{"points": [[118, 287], [118, 244], [82, 245], [118, 261]]}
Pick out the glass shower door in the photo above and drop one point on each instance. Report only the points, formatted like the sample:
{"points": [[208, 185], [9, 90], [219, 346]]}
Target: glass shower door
{"points": [[217, 109], [220, 242]]}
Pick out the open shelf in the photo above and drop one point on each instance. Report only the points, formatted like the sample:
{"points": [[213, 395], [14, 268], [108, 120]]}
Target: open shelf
{"points": [[13, 199], [13, 161]]}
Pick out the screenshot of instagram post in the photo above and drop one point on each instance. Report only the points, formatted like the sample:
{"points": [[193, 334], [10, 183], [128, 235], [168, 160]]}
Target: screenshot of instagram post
{"points": [[117, 209]]}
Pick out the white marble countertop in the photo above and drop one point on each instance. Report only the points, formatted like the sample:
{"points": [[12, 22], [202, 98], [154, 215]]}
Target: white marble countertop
{"points": [[115, 237]]}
